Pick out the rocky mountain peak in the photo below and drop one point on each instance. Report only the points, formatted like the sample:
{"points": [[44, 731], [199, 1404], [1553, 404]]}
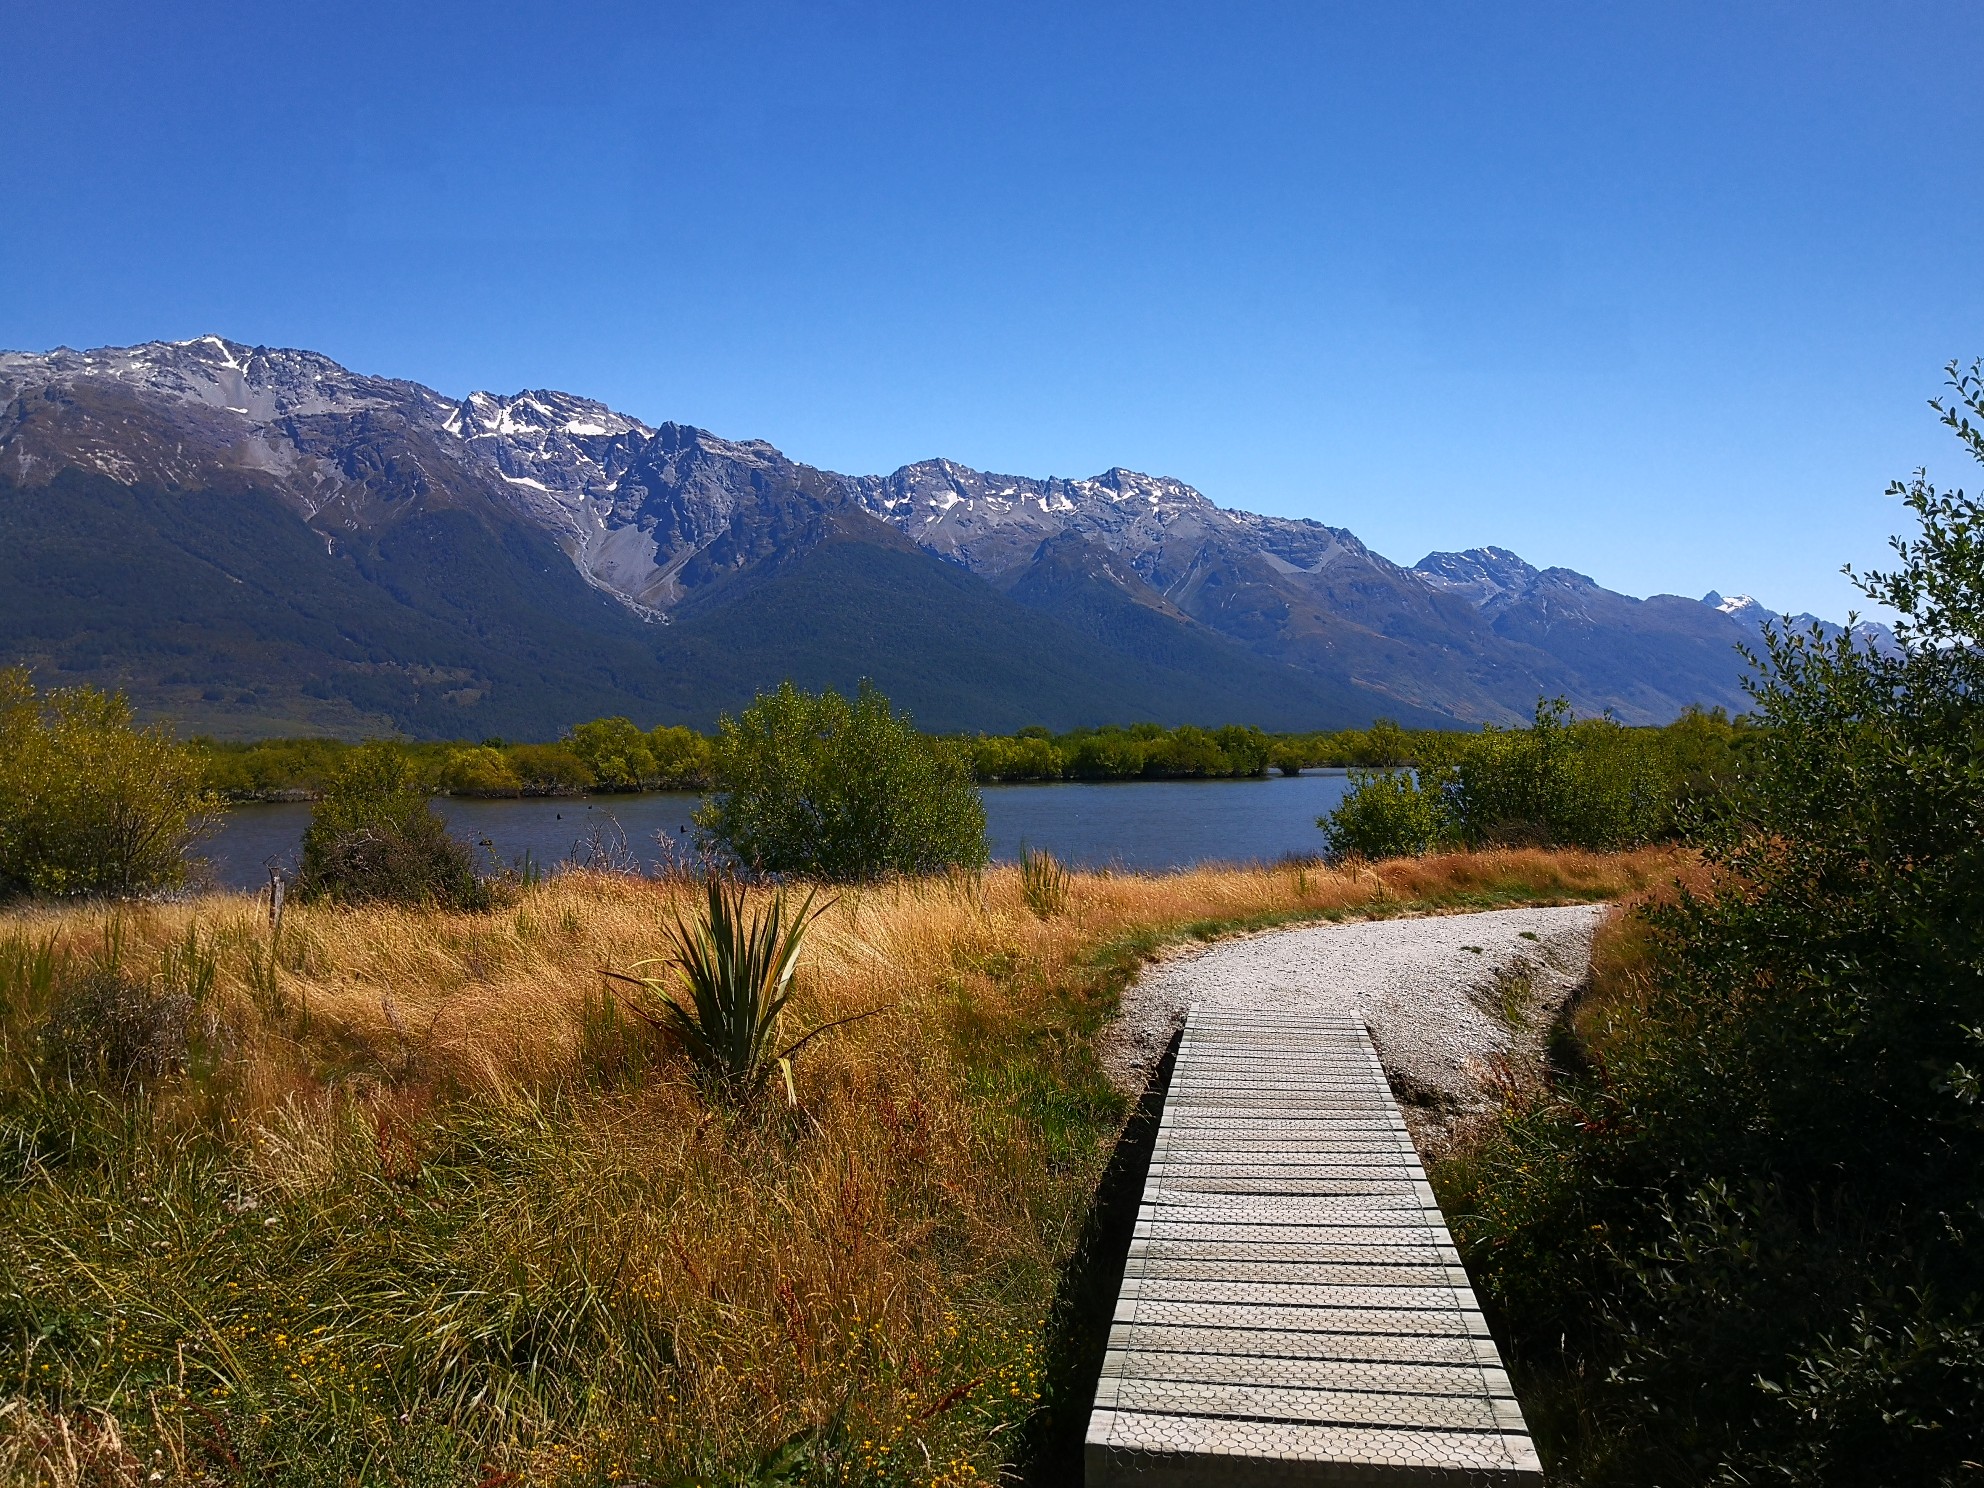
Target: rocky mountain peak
{"points": [[1482, 576], [257, 383], [538, 414], [661, 517]]}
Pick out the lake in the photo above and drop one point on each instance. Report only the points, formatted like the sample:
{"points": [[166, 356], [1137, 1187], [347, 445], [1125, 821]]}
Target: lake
{"points": [[1143, 824]]}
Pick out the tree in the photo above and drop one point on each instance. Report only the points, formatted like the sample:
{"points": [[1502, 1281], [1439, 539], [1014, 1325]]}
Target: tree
{"points": [[1743, 1231], [374, 837], [480, 771], [683, 758], [548, 769], [824, 787], [89, 803], [1559, 783], [615, 751], [1387, 814]]}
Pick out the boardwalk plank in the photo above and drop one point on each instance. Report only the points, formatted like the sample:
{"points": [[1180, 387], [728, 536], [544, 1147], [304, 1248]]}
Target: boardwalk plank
{"points": [[1293, 1310]]}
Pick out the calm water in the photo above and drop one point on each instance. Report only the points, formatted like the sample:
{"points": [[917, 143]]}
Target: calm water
{"points": [[1140, 824]]}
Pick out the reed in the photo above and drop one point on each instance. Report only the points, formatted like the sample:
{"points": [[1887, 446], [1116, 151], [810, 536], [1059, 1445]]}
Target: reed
{"points": [[421, 1204], [1043, 883]]}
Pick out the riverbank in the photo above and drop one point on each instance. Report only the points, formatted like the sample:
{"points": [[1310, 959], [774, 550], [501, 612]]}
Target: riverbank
{"points": [[1151, 826], [423, 1204]]}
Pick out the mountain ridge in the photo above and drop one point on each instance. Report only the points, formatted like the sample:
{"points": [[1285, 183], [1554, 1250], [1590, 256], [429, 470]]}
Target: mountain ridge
{"points": [[1188, 605]]}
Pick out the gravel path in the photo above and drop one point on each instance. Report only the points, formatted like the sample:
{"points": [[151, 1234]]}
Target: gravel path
{"points": [[1443, 996]]}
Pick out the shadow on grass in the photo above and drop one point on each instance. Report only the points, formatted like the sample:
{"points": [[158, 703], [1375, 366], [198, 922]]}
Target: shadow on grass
{"points": [[1049, 1454]]}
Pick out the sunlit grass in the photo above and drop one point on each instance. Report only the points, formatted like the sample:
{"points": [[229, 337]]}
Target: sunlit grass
{"points": [[426, 1205]]}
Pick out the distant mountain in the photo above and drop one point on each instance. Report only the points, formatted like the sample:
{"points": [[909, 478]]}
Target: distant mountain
{"points": [[253, 539], [1753, 617]]}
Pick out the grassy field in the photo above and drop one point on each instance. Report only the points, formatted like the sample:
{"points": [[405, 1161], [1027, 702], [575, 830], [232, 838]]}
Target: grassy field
{"points": [[406, 1197]]}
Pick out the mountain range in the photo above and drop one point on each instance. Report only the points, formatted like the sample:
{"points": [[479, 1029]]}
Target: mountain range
{"points": [[254, 540]]}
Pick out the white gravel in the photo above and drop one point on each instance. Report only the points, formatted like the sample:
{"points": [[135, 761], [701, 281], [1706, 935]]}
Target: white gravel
{"points": [[1454, 1002]]}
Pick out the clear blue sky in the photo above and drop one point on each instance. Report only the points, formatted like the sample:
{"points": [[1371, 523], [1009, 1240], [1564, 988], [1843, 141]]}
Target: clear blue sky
{"points": [[1654, 291]]}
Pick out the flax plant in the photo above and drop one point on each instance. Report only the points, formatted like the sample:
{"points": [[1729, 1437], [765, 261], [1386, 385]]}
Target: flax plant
{"points": [[737, 974]]}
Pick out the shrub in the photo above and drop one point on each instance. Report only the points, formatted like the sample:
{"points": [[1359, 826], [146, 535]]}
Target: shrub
{"points": [[481, 771], [615, 751], [1739, 1240], [547, 769], [1707, 756], [737, 972], [683, 758], [105, 1023], [1292, 755], [373, 836], [271, 766], [90, 804], [1387, 814], [1383, 746], [1023, 756], [1559, 783], [828, 788]]}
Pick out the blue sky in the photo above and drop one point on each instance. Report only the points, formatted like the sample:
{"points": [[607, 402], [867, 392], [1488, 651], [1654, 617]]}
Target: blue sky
{"points": [[1652, 291]]}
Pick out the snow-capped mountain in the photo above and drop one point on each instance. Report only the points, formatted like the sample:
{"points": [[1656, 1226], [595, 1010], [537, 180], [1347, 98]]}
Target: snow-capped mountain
{"points": [[1753, 617], [668, 521]]}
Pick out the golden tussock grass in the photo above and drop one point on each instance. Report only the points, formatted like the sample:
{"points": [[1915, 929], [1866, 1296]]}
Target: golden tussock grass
{"points": [[428, 1203]]}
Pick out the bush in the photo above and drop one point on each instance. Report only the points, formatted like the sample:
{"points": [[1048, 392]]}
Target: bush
{"points": [[1023, 756], [1110, 754], [125, 1030], [548, 769], [481, 771], [1383, 746], [1739, 1240], [736, 970], [1589, 783], [615, 751], [89, 804], [683, 758], [1387, 814], [271, 767], [1559, 783], [828, 788], [373, 837], [1708, 764]]}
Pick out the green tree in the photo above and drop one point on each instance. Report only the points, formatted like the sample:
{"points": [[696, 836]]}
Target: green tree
{"points": [[1388, 814], [374, 837], [1105, 754], [1739, 1241], [1023, 756], [824, 787], [1382, 746], [1559, 783], [1706, 754], [683, 758], [616, 752], [1185, 752], [1291, 754], [89, 803], [1246, 750], [480, 771], [547, 769]]}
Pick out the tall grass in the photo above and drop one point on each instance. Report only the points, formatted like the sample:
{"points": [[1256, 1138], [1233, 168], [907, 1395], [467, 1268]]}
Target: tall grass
{"points": [[424, 1206]]}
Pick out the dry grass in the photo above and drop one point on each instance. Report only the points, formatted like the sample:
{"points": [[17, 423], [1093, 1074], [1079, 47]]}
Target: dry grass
{"points": [[427, 1206]]}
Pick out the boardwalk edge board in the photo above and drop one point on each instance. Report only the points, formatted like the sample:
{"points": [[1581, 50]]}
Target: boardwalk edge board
{"points": [[1293, 1310]]}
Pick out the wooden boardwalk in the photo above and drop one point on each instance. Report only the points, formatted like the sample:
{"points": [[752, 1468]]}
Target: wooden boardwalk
{"points": [[1293, 1310]]}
